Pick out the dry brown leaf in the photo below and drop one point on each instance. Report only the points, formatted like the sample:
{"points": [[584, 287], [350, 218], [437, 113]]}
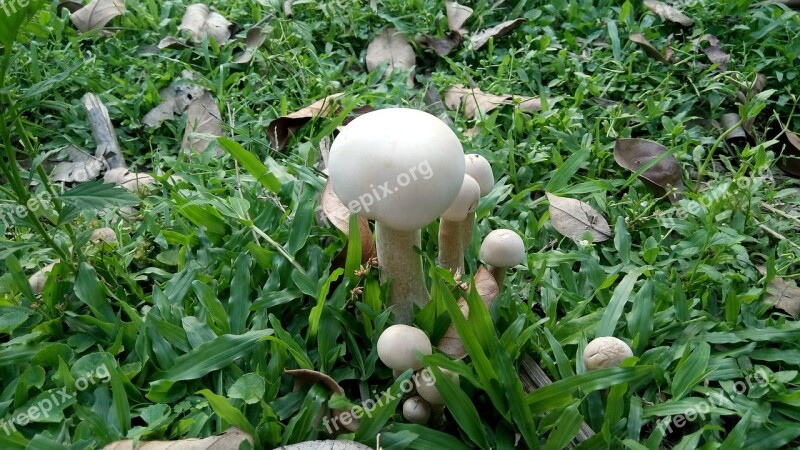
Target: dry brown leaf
{"points": [[441, 46], [325, 445], [784, 295], [737, 136], [573, 218], [390, 47], [648, 48], [668, 13], [132, 181], [199, 20], [203, 123], [473, 100], [527, 103], [70, 5], [78, 167], [175, 99], [255, 37], [789, 160], [632, 154], [456, 15], [713, 51], [170, 42], [97, 14], [230, 440], [487, 288], [311, 377], [281, 128], [481, 38], [339, 216]]}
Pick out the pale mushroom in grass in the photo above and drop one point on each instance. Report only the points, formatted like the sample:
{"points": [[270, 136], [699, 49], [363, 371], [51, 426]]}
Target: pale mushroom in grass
{"points": [[480, 170], [416, 410], [605, 352], [502, 249], [451, 245], [402, 168], [397, 346], [430, 392]]}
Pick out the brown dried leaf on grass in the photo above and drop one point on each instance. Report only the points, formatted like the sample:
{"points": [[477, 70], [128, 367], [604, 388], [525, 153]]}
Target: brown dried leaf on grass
{"points": [[231, 439], [713, 51], [132, 181], [391, 47], [255, 37], [305, 376], [339, 216], [474, 100], [79, 166], [456, 15], [281, 128], [784, 295], [70, 5], [573, 218], [648, 48], [199, 20], [326, 445], [789, 160], [175, 99], [487, 288], [666, 174], [96, 14], [203, 123], [668, 13], [441, 46], [481, 38]]}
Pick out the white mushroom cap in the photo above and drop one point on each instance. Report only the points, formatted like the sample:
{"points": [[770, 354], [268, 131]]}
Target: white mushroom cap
{"points": [[399, 166], [104, 234], [479, 168], [466, 201], [430, 392], [397, 344], [38, 279], [416, 410], [605, 352], [502, 248]]}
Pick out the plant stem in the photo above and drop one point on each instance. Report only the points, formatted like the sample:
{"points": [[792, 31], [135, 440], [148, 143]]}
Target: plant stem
{"points": [[401, 265], [451, 245]]}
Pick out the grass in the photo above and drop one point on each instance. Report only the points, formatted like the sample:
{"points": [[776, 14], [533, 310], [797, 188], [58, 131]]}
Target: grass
{"points": [[224, 279]]}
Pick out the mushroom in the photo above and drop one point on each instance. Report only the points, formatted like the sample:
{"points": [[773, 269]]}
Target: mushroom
{"points": [[402, 168], [502, 249], [605, 352], [38, 279], [397, 346], [416, 410], [478, 168], [430, 392], [451, 246], [103, 234]]}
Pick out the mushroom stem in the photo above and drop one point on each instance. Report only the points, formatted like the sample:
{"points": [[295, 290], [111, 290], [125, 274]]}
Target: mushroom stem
{"points": [[466, 229], [401, 265], [499, 274], [451, 247]]}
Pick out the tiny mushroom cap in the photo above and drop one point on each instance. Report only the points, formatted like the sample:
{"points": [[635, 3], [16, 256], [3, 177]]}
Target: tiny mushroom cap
{"points": [[104, 234], [416, 410], [605, 352], [430, 393], [502, 248], [38, 280], [397, 345], [479, 168], [466, 201], [399, 166]]}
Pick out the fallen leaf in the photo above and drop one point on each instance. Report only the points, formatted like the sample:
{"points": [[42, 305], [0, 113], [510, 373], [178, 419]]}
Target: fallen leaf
{"points": [[632, 154], [132, 181], [255, 37], [199, 20], [456, 15], [434, 105], [782, 294], [203, 123], [281, 128], [170, 42], [96, 14], [78, 167], [747, 92], [789, 160], [103, 132], [70, 5], [487, 288], [573, 218], [441, 46], [737, 136], [527, 103], [473, 100], [175, 99], [339, 216], [481, 38], [287, 8], [305, 376], [323, 445], [668, 13], [390, 47], [713, 51], [648, 48], [230, 440]]}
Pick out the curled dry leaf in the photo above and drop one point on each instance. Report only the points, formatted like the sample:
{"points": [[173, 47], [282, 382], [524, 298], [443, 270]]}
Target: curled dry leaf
{"points": [[199, 20], [481, 38], [648, 48], [782, 294], [96, 14], [203, 123], [326, 445], [665, 175], [729, 121], [255, 37], [78, 167], [132, 181], [456, 15], [230, 440], [281, 128], [170, 42], [789, 160], [441, 46], [390, 47], [527, 103], [305, 376], [70, 5], [105, 137], [668, 13], [339, 216], [474, 100], [487, 288], [573, 218], [434, 105], [175, 99], [713, 51]]}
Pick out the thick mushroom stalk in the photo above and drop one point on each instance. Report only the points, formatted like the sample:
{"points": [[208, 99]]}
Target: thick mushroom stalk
{"points": [[480, 170], [402, 168], [451, 245], [502, 249]]}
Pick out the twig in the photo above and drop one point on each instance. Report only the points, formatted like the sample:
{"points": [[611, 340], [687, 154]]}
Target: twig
{"points": [[779, 212], [103, 131], [777, 235]]}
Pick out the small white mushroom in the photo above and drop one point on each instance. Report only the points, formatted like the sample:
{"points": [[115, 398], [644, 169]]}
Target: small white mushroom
{"points": [[416, 410], [451, 246], [605, 352], [430, 392], [397, 344], [38, 279], [502, 249], [479, 169], [104, 234]]}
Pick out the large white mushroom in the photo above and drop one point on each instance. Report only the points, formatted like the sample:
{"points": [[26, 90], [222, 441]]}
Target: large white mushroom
{"points": [[402, 168], [605, 352], [480, 170], [451, 245], [502, 249], [397, 346]]}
